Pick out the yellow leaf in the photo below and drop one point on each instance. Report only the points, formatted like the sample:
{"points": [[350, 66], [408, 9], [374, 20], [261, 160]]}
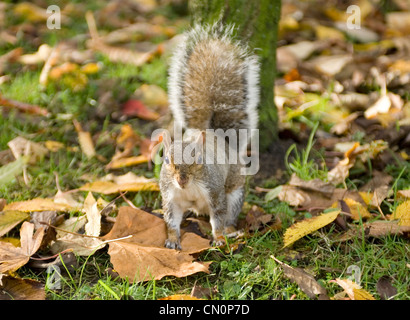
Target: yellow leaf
{"points": [[85, 140], [90, 68], [108, 187], [180, 297], [127, 162], [353, 290], [361, 294], [357, 209], [307, 226], [38, 204], [9, 219], [402, 213], [54, 146]]}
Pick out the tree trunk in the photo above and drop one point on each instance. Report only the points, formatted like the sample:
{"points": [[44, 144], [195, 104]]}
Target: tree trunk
{"points": [[257, 23]]}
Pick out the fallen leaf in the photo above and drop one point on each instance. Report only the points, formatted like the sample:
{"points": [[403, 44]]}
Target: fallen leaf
{"points": [[294, 196], [402, 213], [257, 218], [305, 281], [38, 204], [41, 55], [21, 289], [9, 171], [137, 108], [357, 210], [109, 187], [22, 147], [23, 107], [144, 257], [82, 245], [330, 65], [300, 229], [180, 297], [127, 162], [12, 258], [85, 140], [353, 290], [382, 105], [313, 185], [379, 229], [9, 219]]}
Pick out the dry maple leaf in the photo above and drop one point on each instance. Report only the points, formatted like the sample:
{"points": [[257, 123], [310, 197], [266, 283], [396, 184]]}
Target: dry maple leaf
{"points": [[307, 226], [143, 257], [12, 258]]}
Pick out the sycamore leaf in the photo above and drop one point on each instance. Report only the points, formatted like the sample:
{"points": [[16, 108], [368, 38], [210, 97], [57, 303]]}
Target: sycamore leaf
{"points": [[144, 257], [12, 258], [307, 226], [402, 213], [9, 219]]}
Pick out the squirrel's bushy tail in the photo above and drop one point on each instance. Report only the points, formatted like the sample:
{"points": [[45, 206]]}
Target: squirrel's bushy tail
{"points": [[214, 80]]}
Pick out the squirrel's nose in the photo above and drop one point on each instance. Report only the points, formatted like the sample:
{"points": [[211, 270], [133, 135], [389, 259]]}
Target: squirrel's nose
{"points": [[182, 181]]}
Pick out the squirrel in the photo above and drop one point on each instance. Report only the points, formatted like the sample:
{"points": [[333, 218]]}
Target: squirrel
{"points": [[213, 83]]}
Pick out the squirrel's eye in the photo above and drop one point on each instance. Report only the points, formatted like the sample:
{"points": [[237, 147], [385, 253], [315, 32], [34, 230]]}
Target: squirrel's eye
{"points": [[166, 160]]}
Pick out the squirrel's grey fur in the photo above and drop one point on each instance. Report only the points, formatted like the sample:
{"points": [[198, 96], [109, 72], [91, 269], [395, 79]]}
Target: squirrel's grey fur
{"points": [[213, 84]]}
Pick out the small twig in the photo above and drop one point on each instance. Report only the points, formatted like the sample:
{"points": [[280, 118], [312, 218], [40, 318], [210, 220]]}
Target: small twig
{"points": [[127, 201], [74, 233], [53, 256]]}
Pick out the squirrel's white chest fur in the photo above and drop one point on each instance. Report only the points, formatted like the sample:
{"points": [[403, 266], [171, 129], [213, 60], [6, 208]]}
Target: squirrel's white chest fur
{"points": [[193, 197]]}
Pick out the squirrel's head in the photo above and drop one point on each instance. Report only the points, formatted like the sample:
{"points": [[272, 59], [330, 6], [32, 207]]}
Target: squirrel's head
{"points": [[183, 160]]}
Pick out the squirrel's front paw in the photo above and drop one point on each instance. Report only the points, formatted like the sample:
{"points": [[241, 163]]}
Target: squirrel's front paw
{"points": [[172, 244], [219, 241]]}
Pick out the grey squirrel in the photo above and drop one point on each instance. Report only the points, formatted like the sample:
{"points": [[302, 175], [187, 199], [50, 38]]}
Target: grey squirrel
{"points": [[213, 84]]}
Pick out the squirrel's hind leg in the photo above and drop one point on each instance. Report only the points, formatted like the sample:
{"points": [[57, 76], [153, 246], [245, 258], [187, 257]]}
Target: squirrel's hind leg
{"points": [[235, 200]]}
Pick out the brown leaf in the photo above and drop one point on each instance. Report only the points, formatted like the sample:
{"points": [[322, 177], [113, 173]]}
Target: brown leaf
{"points": [[378, 229], [12, 258], [21, 289], [22, 106], [313, 185], [305, 281], [143, 257], [257, 218]]}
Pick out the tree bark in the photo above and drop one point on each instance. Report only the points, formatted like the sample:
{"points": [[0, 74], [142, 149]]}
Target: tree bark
{"points": [[257, 23]]}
